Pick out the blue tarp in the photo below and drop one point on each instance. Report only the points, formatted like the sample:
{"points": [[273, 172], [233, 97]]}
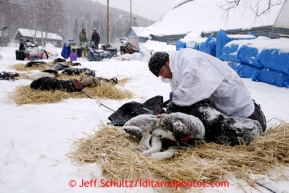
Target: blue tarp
{"points": [[223, 39], [244, 55], [65, 52], [269, 65], [248, 55], [229, 52], [274, 59], [180, 45], [209, 46], [272, 77], [194, 43], [244, 71]]}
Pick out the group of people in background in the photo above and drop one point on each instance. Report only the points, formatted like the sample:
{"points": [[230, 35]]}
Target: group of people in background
{"points": [[84, 43]]}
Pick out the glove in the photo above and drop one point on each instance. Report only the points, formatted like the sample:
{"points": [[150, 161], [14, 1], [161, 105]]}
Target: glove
{"points": [[176, 108], [171, 108]]}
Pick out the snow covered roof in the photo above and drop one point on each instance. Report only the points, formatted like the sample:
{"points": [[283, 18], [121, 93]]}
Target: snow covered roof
{"points": [[206, 15], [140, 31], [31, 33]]}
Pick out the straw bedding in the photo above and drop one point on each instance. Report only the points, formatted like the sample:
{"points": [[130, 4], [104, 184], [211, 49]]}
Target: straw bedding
{"points": [[119, 158], [26, 95], [21, 67]]}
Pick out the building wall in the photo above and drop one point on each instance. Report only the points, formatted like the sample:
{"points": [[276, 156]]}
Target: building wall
{"points": [[56, 43], [132, 37], [142, 39], [133, 41], [130, 34], [283, 17], [268, 31], [169, 39]]}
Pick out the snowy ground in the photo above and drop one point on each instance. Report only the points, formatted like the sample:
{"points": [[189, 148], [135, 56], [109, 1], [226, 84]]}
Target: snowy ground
{"points": [[36, 138]]}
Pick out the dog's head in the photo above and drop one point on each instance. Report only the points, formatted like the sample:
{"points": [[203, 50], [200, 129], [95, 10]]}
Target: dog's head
{"points": [[162, 132], [91, 81], [183, 125], [170, 127], [174, 123]]}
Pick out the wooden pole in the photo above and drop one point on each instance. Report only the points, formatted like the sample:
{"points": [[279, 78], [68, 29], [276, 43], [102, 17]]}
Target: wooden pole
{"points": [[107, 22], [130, 13]]}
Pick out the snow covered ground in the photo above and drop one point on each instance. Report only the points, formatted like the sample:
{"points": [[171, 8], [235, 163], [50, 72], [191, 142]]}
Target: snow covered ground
{"points": [[34, 139]]}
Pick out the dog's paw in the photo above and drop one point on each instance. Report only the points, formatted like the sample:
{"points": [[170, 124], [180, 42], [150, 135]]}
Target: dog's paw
{"points": [[158, 156], [166, 154], [146, 153], [162, 155], [143, 147], [153, 149]]}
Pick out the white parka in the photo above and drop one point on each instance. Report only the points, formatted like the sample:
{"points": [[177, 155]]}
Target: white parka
{"points": [[197, 76]]}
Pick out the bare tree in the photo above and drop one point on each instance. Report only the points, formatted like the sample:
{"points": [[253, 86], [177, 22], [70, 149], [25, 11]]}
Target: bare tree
{"points": [[59, 16], [8, 19], [259, 7], [50, 18], [75, 29]]}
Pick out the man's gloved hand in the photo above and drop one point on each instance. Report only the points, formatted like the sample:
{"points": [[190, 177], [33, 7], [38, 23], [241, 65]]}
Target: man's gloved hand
{"points": [[172, 108]]}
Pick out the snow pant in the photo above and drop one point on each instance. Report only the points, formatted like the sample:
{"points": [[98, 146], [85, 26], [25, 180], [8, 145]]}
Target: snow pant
{"points": [[84, 52], [220, 128]]}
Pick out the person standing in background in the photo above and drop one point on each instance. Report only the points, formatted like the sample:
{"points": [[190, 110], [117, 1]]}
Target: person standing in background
{"points": [[95, 39], [83, 42], [21, 41]]}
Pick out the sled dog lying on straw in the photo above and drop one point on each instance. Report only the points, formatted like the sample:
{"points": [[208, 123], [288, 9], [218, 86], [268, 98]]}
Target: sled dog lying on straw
{"points": [[180, 129]]}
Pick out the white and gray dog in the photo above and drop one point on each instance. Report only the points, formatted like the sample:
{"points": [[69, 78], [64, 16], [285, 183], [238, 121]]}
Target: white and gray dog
{"points": [[179, 128], [182, 129]]}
